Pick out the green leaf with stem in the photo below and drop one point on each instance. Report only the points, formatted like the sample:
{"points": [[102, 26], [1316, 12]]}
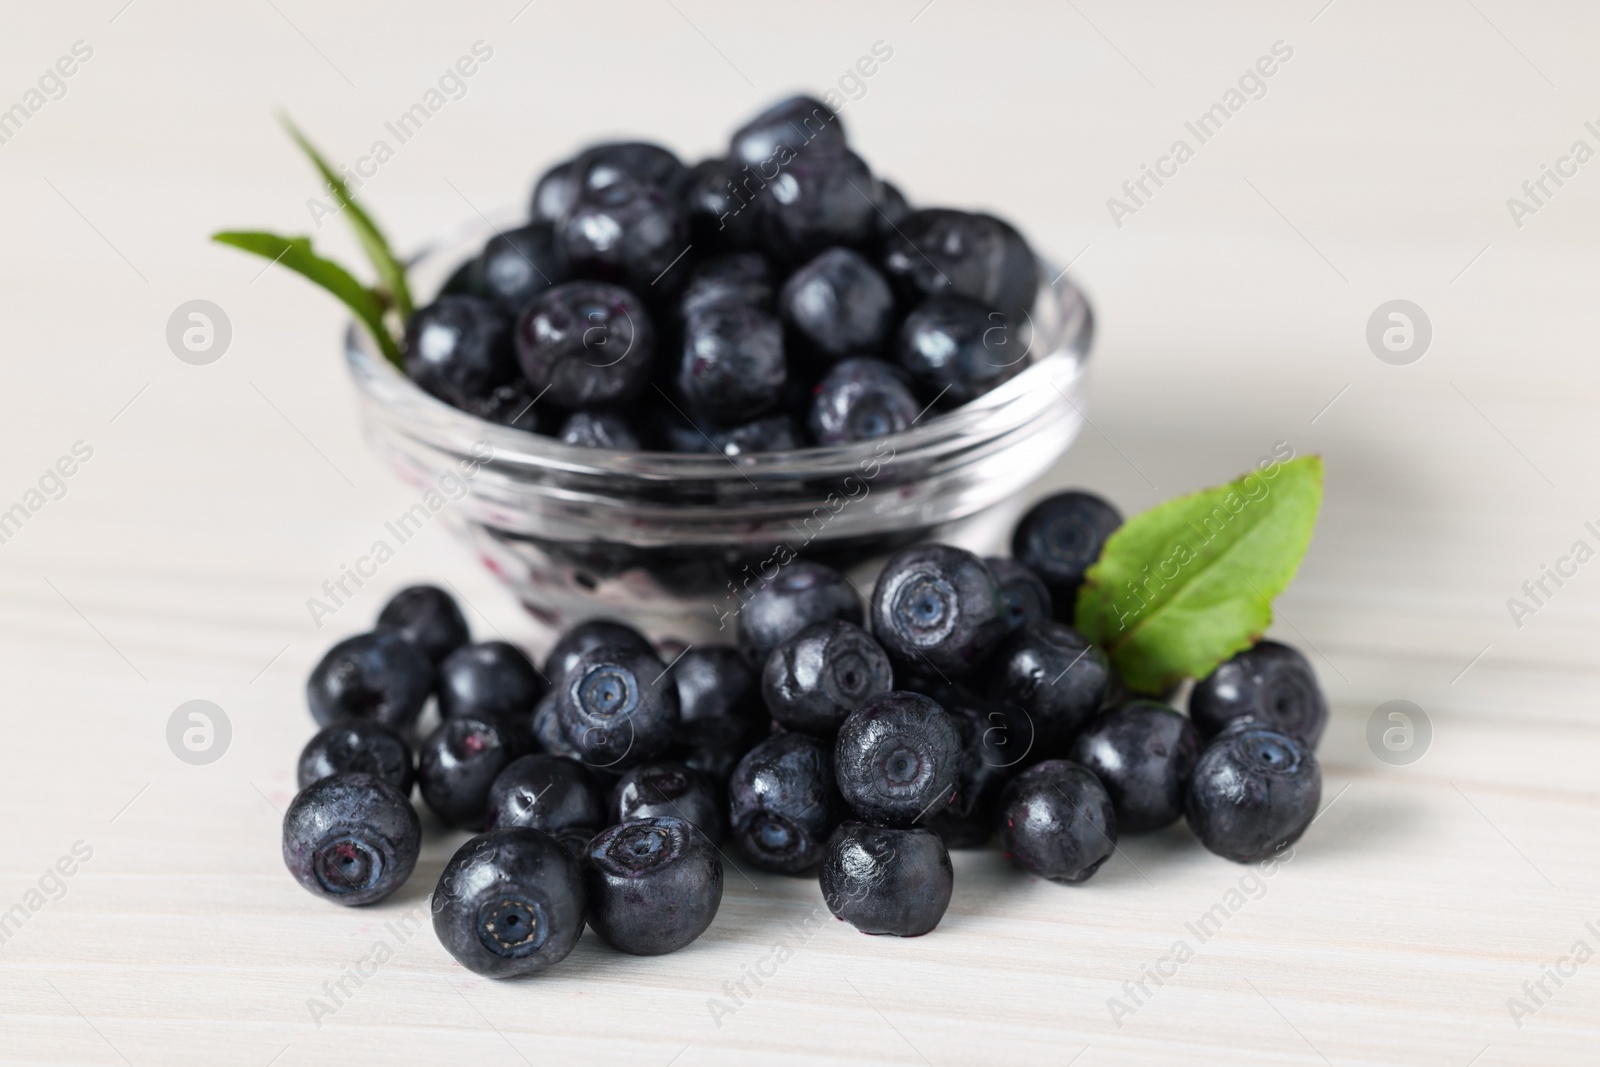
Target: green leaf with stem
{"points": [[391, 272], [1183, 586], [296, 254]]}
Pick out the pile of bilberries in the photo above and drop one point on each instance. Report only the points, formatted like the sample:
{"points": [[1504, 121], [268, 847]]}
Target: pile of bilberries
{"points": [[860, 741], [776, 297]]}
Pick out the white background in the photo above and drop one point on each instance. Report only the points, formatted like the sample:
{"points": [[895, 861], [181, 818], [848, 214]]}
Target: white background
{"points": [[1232, 310]]}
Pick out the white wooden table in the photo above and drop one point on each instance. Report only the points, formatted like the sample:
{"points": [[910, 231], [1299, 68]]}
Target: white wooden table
{"points": [[176, 560]]}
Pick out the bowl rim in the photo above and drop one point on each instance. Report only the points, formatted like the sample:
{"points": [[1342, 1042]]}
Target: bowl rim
{"points": [[422, 415]]}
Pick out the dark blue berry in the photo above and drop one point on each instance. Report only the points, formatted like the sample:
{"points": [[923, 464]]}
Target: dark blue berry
{"points": [[937, 607], [516, 405], [898, 757], [599, 428], [784, 129], [459, 762], [715, 746], [733, 366], [548, 735], [937, 251], [517, 265], [892, 207], [546, 793], [1048, 674], [1271, 684], [736, 278], [1057, 821], [510, 902], [839, 304], [887, 881], [822, 197], [490, 678], [783, 802], [617, 708], [428, 617], [770, 433], [1144, 754], [362, 745], [552, 193], [459, 349], [722, 214], [1027, 597], [351, 838], [585, 636], [714, 681], [1254, 791], [801, 593], [861, 399], [653, 884], [585, 343], [990, 756], [814, 680], [957, 349], [669, 789], [626, 222], [379, 676], [1060, 538]]}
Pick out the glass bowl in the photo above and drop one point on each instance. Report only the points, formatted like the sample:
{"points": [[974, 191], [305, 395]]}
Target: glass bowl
{"points": [[675, 543]]}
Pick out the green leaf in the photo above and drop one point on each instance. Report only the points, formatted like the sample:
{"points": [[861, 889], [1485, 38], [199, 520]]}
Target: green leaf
{"points": [[296, 254], [1189, 583], [391, 272]]}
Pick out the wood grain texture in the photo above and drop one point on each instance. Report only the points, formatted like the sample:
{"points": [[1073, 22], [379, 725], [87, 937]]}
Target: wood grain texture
{"points": [[1232, 307]]}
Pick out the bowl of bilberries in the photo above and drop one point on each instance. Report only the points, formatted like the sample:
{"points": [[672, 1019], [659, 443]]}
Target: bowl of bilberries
{"points": [[658, 381], [647, 386]]}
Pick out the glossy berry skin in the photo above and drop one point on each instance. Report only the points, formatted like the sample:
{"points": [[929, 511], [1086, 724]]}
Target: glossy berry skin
{"points": [[548, 736], [957, 349], [1059, 538], [784, 129], [735, 278], [459, 349], [653, 884], [1051, 676], [892, 207], [552, 193], [937, 252], [599, 428], [510, 902], [1144, 754], [489, 678], [546, 793], [616, 708], [839, 303], [783, 802], [459, 762], [587, 635], [378, 676], [714, 681], [1057, 821], [990, 756], [715, 746], [667, 789], [351, 838], [898, 757], [801, 593], [732, 367], [770, 433], [517, 265], [361, 745], [626, 222], [887, 881], [1254, 791], [723, 214], [822, 197], [516, 405], [587, 343], [1271, 684], [814, 680], [428, 617], [861, 399], [938, 607], [1027, 597]]}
